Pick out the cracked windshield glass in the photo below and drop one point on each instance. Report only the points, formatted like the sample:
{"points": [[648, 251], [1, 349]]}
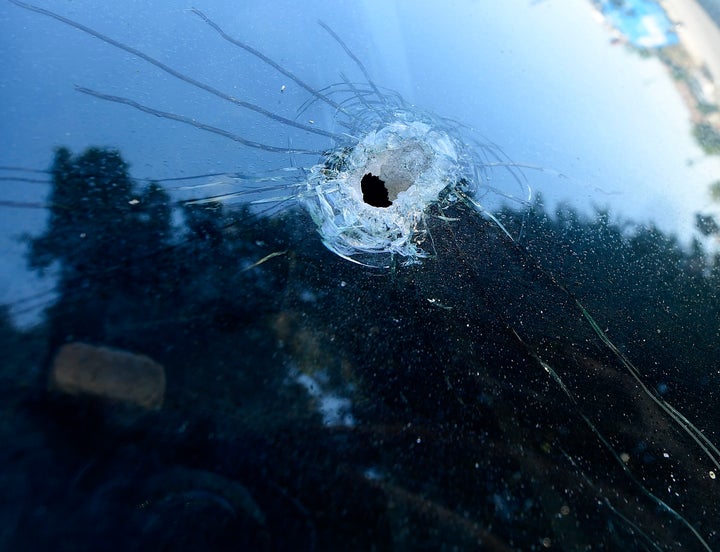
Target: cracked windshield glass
{"points": [[369, 275]]}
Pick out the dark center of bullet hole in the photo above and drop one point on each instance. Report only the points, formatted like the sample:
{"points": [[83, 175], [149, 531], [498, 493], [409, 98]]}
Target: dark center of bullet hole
{"points": [[374, 191]]}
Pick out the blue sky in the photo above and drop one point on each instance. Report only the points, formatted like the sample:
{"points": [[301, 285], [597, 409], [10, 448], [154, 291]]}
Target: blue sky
{"points": [[539, 79]]}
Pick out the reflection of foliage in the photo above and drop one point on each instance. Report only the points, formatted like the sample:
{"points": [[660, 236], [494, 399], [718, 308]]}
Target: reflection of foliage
{"points": [[707, 225], [642, 280], [715, 190], [100, 233], [678, 72], [645, 53], [97, 214], [708, 137], [707, 108], [462, 435]]}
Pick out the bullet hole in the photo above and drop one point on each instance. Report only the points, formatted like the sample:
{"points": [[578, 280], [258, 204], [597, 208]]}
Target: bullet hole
{"points": [[374, 191]]}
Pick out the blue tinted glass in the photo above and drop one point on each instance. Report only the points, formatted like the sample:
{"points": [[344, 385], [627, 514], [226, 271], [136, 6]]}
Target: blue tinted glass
{"points": [[360, 275]]}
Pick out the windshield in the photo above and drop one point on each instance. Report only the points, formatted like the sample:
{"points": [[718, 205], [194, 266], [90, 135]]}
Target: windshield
{"points": [[368, 275]]}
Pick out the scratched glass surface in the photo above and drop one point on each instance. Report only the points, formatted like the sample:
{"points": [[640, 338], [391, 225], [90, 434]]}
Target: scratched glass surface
{"points": [[356, 275]]}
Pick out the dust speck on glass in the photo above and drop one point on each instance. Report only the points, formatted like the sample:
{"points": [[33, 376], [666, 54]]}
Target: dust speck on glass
{"points": [[361, 275]]}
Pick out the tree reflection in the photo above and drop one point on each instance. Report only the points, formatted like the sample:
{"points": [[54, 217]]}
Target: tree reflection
{"points": [[101, 233], [461, 438]]}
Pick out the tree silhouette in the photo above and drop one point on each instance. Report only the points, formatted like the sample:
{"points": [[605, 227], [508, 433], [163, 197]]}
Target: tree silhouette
{"points": [[470, 437], [102, 234]]}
